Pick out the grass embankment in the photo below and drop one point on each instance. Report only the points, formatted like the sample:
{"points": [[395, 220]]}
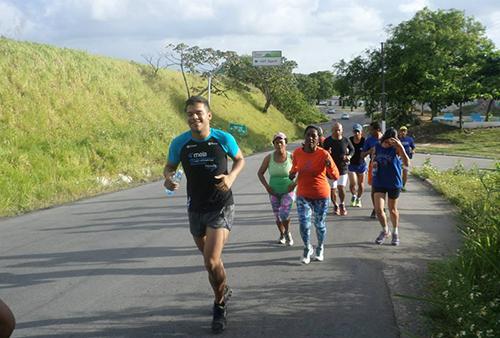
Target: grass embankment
{"points": [[443, 139], [73, 125], [465, 290]]}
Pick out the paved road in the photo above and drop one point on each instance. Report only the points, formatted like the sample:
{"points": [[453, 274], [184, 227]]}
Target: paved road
{"points": [[124, 265]]}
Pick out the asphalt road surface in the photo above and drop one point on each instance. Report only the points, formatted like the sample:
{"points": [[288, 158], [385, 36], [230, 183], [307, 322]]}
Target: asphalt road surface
{"points": [[124, 265]]}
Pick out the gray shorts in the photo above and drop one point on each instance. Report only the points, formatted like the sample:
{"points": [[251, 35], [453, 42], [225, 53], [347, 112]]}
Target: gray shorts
{"points": [[198, 221]]}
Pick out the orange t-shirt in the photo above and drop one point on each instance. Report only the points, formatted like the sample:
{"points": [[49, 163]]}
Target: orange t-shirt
{"points": [[312, 169]]}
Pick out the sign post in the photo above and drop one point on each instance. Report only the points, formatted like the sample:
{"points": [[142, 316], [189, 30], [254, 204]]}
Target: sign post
{"points": [[267, 58]]}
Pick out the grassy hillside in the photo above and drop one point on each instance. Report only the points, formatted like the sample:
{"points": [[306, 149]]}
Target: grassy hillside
{"points": [[73, 124]]}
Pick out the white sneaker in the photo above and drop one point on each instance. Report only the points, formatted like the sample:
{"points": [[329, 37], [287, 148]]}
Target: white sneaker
{"points": [[289, 239], [320, 250], [306, 256], [282, 239]]}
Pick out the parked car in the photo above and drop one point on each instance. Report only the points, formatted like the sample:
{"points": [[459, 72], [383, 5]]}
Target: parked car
{"points": [[331, 111], [344, 116]]}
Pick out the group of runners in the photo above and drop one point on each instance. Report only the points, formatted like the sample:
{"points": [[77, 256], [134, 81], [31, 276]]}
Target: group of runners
{"points": [[312, 176], [324, 167]]}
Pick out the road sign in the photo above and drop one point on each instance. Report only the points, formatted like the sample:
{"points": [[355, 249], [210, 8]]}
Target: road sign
{"points": [[267, 58]]}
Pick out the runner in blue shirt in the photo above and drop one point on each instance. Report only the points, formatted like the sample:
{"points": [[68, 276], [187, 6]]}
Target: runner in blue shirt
{"points": [[370, 142], [203, 153], [409, 145], [387, 179]]}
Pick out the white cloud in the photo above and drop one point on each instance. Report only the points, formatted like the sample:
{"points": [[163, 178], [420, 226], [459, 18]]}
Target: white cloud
{"points": [[12, 21], [315, 33], [493, 32], [413, 6]]}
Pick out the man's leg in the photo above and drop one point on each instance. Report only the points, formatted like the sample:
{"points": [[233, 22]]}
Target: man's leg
{"points": [[352, 183], [361, 184], [405, 178], [214, 244], [7, 321]]}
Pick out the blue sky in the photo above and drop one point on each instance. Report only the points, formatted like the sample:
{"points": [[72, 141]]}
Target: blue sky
{"points": [[314, 33]]}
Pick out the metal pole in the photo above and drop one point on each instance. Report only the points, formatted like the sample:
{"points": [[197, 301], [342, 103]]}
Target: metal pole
{"points": [[209, 86], [383, 87]]}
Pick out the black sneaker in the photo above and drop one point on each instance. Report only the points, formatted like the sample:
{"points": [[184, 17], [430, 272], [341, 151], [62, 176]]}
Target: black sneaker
{"points": [[219, 321]]}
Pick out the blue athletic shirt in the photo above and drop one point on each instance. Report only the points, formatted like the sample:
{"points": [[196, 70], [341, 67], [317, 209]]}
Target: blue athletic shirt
{"points": [[201, 161], [388, 168], [408, 144], [370, 142]]}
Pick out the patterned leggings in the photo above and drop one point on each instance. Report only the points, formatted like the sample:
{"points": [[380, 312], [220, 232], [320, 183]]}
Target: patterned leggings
{"points": [[305, 207], [282, 205]]}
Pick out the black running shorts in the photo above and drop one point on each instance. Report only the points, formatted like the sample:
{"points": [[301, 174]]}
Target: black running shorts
{"points": [[391, 193], [199, 221]]}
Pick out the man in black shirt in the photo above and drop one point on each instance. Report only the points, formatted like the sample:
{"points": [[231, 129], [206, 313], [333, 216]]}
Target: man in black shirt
{"points": [[341, 150]]}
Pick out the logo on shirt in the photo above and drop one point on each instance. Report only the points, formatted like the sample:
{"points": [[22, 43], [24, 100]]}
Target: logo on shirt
{"points": [[212, 143], [189, 146]]}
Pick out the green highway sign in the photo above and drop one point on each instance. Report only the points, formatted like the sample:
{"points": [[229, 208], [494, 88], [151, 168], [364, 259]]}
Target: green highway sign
{"points": [[267, 58]]}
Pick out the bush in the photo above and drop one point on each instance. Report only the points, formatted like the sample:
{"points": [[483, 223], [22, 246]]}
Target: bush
{"points": [[465, 290]]}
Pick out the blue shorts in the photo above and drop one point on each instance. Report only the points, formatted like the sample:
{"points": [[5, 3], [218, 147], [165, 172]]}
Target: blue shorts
{"points": [[357, 168]]}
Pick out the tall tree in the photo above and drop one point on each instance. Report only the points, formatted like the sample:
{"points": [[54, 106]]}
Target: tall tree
{"points": [[270, 80], [205, 62], [326, 84], [308, 86], [434, 57]]}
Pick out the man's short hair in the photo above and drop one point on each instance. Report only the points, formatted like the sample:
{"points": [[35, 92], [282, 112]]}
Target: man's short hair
{"points": [[196, 99], [375, 125]]}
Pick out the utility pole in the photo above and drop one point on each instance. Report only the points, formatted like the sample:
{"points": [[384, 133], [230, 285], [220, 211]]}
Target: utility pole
{"points": [[383, 87], [209, 86]]}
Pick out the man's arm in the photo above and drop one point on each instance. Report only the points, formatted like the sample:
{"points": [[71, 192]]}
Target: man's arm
{"points": [[227, 180]]}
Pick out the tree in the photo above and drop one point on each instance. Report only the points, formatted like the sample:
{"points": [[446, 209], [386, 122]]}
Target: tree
{"points": [[206, 62], [326, 84], [489, 78], [434, 58], [270, 80], [308, 86]]}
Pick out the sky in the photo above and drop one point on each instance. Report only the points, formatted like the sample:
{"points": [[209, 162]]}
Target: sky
{"points": [[314, 33]]}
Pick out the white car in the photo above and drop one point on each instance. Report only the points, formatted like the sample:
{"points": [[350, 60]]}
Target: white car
{"points": [[330, 111], [344, 116]]}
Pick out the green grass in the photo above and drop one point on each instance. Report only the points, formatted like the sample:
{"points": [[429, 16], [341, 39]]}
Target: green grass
{"points": [[442, 139], [464, 291], [72, 123]]}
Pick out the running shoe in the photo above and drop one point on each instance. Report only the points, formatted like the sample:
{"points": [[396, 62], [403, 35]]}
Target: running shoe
{"points": [[353, 201], [219, 320], [358, 202], [319, 253], [403, 189], [289, 239], [382, 236], [373, 214], [336, 210], [306, 256], [282, 239], [342, 210], [395, 239]]}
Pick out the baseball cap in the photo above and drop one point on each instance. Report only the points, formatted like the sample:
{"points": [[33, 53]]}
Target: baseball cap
{"points": [[357, 127], [279, 135], [403, 128]]}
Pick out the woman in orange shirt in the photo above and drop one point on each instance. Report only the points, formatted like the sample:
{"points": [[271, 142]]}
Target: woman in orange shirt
{"points": [[314, 166]]}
